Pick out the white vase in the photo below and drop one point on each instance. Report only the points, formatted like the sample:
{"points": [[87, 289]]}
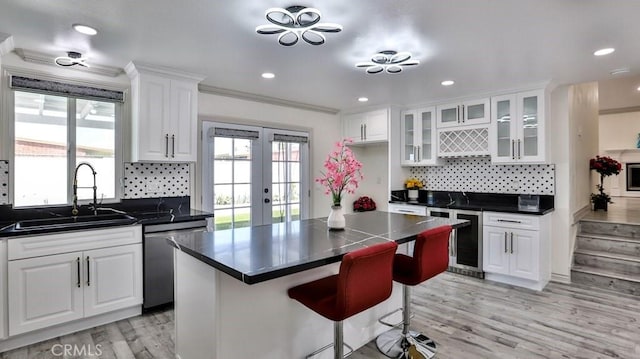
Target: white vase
{"points": [[336, 218], [413, 194]]}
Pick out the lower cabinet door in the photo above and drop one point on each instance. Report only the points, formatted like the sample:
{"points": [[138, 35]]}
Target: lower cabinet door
{"points": [[525, 257], [113, 278], [44, 291], [495, 253]]}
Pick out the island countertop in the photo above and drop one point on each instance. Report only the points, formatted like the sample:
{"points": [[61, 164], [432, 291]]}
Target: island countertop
{"points": [[260, 253]]}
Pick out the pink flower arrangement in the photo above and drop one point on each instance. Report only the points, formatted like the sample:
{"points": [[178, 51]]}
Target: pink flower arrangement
{"points": [[342, 172]]}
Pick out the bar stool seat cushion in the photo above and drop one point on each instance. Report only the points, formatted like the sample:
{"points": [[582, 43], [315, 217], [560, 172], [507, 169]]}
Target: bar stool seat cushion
{"points": [[431, 257], [363, 281]]}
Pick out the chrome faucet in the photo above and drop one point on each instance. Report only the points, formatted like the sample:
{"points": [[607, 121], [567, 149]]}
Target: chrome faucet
{"points": [[74, 211], [465, 197]]}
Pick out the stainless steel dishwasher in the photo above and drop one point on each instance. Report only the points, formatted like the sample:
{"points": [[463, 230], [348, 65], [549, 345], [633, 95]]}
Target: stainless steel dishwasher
{"points": [[158, 260]]}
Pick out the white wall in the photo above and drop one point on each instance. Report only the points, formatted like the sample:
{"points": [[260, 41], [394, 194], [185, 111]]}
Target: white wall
{"points": [[324, 130], [619, 131], [375, 169]]}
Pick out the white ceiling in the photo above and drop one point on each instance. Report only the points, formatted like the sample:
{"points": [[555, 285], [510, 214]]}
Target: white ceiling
{"points": [[484, 45]]}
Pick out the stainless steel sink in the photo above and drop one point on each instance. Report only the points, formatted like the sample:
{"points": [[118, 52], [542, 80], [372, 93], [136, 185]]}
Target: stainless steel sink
{"points": [[74, 222]]}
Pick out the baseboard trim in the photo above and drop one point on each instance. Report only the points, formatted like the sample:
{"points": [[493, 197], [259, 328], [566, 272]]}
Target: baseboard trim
{"points": [[561, 278], [579, 214]]}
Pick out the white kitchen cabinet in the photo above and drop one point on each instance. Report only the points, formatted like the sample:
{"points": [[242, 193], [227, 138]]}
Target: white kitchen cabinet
{"points": [[472, 112], [418, 141], [58, 278], [467, 141], [516, 249], [402, 208], [517, 128], [4, 315], [367, 127], [164, 114]]}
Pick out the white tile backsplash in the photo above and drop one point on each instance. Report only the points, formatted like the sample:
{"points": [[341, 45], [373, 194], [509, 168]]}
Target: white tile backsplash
{"points": [[479, 175], [4, 182], [149, 180]]}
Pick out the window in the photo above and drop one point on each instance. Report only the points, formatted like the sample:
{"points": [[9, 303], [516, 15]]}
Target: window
{"points": [[52, 135]]}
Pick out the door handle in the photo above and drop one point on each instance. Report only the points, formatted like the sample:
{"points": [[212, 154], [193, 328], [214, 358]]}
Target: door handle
{"points": [[505, 242], [88, 273], [173, 146], [166, 145], [511, 242], [78, 266]]}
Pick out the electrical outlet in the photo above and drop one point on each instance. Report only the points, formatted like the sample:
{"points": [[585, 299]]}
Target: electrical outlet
{"points": [[153, 186]]}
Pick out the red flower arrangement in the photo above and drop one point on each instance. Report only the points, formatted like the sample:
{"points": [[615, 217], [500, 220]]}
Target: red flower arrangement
{"points": [[605, 166], [364, 204]]}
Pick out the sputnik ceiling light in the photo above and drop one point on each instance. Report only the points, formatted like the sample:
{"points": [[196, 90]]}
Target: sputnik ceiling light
{"points": [[73, 58], [296, 22], [391, 61]]}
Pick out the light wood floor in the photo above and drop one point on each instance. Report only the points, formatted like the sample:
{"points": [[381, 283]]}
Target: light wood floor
{"points": [[467, 317], [622, 210]]}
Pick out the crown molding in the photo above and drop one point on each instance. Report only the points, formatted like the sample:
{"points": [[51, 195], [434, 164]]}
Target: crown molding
{"points": [[6, 44], [47, 59], [614, 111], [264, 99], [134, 68]]}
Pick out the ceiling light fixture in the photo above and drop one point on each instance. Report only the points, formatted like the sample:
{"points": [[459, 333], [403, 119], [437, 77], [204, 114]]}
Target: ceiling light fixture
{"points": [[388, 60], [447, 83], [603, 52], [363, 99], [73, 58], [296, 22], [84, 29], [268, 75]]}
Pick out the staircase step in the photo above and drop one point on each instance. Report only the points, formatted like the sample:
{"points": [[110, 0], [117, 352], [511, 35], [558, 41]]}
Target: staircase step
{"points": [[629, 231], [610, 244], [601, 278], [619, 263]]}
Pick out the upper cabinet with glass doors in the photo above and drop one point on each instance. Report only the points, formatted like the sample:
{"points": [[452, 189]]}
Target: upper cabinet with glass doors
{"points": [[474, 112], [164, 114], [418, 131], [517, 128]]}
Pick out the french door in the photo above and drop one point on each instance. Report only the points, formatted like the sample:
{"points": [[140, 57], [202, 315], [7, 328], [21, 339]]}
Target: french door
{"points": [[254, 175]]}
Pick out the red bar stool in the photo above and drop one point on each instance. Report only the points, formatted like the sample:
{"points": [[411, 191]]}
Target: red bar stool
{"points": [[363, 281], [430, 258]]}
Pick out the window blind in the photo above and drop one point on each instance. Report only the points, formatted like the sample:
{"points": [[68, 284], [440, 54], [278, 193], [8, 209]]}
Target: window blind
{"points": [[280, 137], [233, 133], [27, 84]]}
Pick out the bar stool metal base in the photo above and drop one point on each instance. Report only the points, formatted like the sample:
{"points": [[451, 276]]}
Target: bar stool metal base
{"points": [[394, 344]]}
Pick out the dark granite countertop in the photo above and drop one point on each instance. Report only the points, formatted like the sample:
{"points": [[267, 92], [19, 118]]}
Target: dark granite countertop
{"points": [[260, 253], [140, 211], [490, 202]]}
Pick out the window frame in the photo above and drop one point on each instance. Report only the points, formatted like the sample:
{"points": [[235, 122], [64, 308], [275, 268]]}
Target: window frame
{"points": [[8, 148]]}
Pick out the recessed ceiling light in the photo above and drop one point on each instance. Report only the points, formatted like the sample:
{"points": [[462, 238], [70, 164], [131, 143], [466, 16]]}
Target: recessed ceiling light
{"points": [[84, 29], [363, 99], [619, 71], [603, 52], [447, 83], [268, 75], [638, 88]]}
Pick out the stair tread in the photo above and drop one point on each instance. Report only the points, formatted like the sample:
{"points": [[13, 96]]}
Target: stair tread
{"points": [[624, 257], [609, 237], [606, 273], [612, 222]]}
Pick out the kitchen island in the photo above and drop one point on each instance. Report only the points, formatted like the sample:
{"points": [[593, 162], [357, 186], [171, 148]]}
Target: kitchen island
{"points": [[231, 286]]}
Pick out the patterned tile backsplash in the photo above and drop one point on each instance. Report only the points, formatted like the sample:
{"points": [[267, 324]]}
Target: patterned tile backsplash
{"points": [[4, 182], [148, 180], [479, 175]]}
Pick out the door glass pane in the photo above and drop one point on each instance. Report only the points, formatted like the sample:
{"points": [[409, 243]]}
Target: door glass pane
{"points": [[40, 149], [530, 126], [425, 154], [449, 115], [285, 186], [503, 119], [408, 137], [95, 144], [474, 111]]}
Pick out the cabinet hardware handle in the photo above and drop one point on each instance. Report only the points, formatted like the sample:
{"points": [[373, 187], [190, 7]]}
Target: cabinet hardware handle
{"points": [[405, 211], [361, 132], [418, 147], [451, 245], [78, 266], [166, 145], [505, 242], [88, 273], [458, 113], [455, 244], [513, 149], [414, 153], [511, 242], [365, 131], [509, 221], [463, 119], [173, 146], [519, 147]]}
